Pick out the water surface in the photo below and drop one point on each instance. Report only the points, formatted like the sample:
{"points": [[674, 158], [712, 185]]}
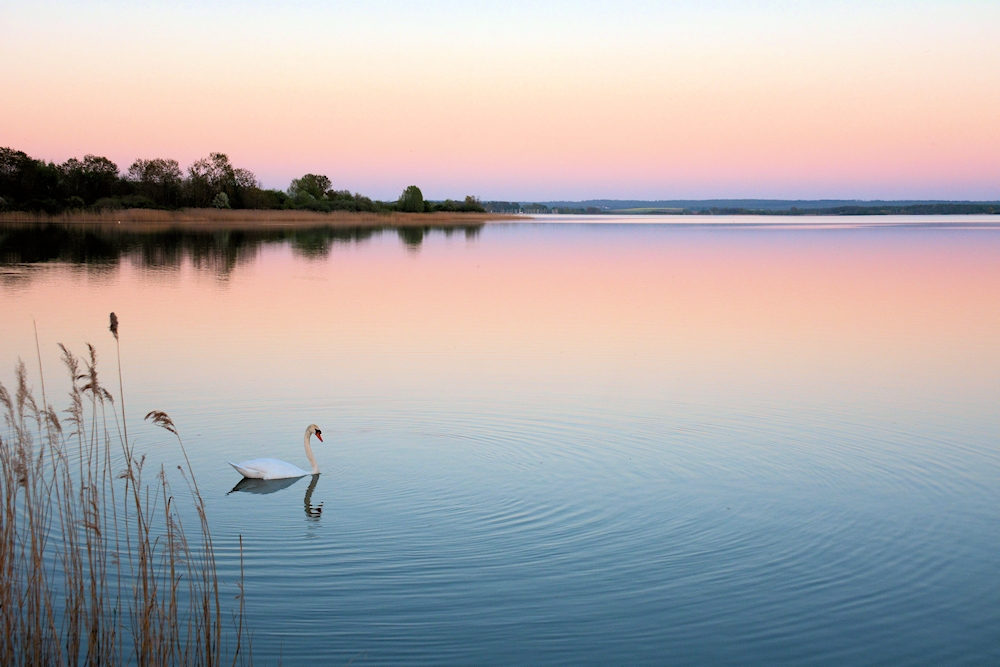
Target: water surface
{"points": [[742, 443]]}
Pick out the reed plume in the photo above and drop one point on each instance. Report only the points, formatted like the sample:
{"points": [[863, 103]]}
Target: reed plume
{"points": [[96, 566]]}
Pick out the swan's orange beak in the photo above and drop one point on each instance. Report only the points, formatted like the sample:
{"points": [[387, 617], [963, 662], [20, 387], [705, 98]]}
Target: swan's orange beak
{"points": [[319, 437]]}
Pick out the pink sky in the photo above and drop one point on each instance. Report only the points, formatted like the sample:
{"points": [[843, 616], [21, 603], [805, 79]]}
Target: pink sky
{"points": [[527, 101]]}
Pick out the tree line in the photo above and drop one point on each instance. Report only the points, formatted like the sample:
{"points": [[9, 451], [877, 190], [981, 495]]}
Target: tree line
{"points": [[515, 207], [96, 183]]}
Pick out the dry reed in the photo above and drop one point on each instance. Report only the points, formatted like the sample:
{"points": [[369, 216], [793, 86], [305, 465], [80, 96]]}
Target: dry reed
{"points": [[95, 565], [225, 218]]}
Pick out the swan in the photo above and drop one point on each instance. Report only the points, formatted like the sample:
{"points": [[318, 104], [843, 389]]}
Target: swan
{"points": [[275, 469]]}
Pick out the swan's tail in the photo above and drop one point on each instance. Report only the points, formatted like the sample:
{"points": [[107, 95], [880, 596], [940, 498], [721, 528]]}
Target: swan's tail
{"points": [[238, 469]]}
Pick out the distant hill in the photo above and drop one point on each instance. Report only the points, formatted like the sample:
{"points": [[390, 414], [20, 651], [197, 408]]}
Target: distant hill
{"points": [[750, 204], [749, 207]]}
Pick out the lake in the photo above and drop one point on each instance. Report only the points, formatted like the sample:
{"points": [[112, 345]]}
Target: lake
{"points": [[757, 441]]}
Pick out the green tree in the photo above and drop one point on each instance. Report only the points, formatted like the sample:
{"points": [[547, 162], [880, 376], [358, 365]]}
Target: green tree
{"points": [[411, 201], [314, 185], [473, 205]]}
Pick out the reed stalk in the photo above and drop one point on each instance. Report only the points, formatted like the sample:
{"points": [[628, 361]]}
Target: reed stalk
{"points": [[96, 567]]}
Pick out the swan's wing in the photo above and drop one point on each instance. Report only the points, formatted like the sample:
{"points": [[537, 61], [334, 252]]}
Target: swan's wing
{"points": [[246, 470], [268, 469]]}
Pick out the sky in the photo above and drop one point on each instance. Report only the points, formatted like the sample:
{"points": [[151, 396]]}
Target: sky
{"points": [[523, 100]]}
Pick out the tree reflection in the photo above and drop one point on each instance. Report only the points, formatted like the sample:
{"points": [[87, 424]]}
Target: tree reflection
{"points": [[218, 250], [411, 236]]}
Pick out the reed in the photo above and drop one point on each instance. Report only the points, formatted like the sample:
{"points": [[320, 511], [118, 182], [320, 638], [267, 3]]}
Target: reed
{"points": [[96, 566], [224, 218]]}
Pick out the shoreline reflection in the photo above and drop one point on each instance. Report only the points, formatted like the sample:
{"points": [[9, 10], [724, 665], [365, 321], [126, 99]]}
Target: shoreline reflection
{"points": [[221, 250]]}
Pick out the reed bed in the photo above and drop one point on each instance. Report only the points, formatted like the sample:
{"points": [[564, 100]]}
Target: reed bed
{"points": [[225, 218], [96, 567]]}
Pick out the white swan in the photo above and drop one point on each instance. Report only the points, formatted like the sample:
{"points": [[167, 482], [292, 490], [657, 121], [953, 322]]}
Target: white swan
{"points": [[275, 469]]}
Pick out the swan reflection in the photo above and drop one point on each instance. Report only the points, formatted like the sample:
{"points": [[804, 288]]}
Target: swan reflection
{"points": [[251, 485], [312, 511], [261, 486]]}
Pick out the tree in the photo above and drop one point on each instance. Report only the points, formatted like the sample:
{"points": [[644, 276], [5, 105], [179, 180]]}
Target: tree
{"points": [[314, 185], [245, 179], [205, 179], [447, 206], [158, 180], [92, 179], [26, 183], [17, 172], [473, 205], [264, 199], [209, 176], [412, 200]]}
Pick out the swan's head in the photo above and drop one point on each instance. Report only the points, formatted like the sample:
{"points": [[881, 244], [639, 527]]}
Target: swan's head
{"points": [[314, 430]]}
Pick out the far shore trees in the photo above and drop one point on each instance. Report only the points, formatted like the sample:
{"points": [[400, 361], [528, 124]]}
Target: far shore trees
{"points": [[411, 201], [312, 185], [92, 179], [95, 183], [157, 180], [214, 175], [312, 192]]}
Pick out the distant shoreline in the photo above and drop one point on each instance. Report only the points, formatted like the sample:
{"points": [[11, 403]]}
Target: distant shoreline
{"points": [[749, 207], [212, 218], [843, 211]]}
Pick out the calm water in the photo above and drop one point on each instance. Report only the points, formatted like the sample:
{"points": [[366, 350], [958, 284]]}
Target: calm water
{"points": [[571, 444]]}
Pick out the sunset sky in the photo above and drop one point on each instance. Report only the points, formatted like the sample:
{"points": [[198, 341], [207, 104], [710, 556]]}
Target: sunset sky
{"points": [[523, 100]]}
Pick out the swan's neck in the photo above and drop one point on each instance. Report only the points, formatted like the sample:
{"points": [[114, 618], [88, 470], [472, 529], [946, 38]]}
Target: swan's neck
{"points": [[309, 455]]}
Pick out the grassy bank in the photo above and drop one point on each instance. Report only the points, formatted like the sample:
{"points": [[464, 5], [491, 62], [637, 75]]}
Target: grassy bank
{"points": [[211, 218]]}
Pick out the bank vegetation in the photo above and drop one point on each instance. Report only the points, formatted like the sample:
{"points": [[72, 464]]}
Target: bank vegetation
{"points": [[95, 184]]}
